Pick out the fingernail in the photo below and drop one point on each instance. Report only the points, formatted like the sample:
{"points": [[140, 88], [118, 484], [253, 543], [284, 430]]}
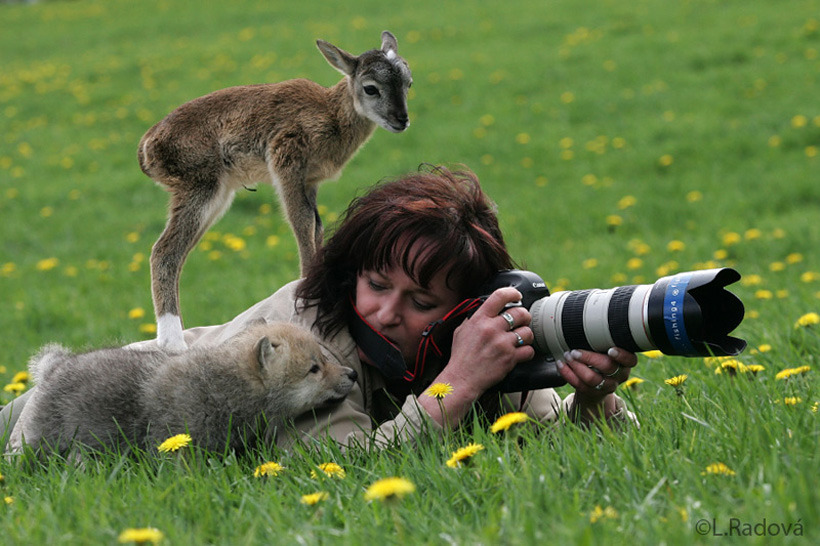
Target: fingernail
{"points": [[613, 352], [567, 355], [559, 363], [575, 354]]}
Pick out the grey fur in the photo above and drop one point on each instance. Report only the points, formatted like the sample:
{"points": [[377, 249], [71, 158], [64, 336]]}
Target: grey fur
{"points": [[223, 396]]}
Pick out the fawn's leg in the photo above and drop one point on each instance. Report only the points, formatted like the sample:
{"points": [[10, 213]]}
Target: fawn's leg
{"points": [[191, 214]]}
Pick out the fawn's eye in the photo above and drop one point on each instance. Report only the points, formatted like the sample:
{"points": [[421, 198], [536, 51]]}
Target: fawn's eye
{"points": [[371, 90]]}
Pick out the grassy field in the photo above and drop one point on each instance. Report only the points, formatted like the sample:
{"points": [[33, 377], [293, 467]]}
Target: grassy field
{"points": [[621, 141]]}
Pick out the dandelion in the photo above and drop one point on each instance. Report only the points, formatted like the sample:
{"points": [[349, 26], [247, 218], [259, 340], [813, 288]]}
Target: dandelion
{"points": [[754, 368], [792, 400], [21, 377], [666, 160], [389, 488], [809, 319], [789, 372], [763, 294], [613, 220], [627, 201], [136, 313], [676, 381], [731, 238], [731, 366], [632, 383], [331, 470], [599, 513], [439, 390], [174, 443], [8, 500], [15, 388], [148, 328], [47, 265], [694, 196], [314, 498], [463, 454], [652, 354], [718, 468], [810, 276], [675, 246], [141, 536], [271, 469], [507, 420]]}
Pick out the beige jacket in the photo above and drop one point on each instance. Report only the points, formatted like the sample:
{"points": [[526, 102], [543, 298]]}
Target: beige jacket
{"points": [[368, 416]]}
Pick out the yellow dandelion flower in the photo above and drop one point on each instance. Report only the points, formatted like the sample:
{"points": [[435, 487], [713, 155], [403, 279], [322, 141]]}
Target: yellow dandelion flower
{"points": [[792, 400], [15, 388], [174, 443], [627, 201], [632, 383], [815, 407], [675, 246], [666, 160], [809, 319], [21, 377], [731, 238], [789, 372], [694, 196], [794, 258], [613, 220], [599, 513], [463, 454], [389, 488], [753, 234], [777, 266], [271, 469], [589, 263], [136, 313], [763, 294], [754, 368], [331, 470], [439, 390], [652, 354], [718, 468], [676, 381], [141, 536], [507, 420], [314, 498], [8, 500], [148, 328], [47, 265], [810, 276]]}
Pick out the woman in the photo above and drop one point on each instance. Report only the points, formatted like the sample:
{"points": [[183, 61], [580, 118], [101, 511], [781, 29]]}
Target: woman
{"points": [[403, 256]]}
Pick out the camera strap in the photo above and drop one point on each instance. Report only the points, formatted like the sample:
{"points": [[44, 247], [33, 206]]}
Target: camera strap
{"points": [[435, 341]]}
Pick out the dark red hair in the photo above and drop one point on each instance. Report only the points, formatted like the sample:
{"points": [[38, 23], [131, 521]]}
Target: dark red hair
{"points": [[445, 209]]}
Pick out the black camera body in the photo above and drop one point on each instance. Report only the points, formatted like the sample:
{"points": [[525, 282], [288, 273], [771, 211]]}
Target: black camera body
{"points": [[686, 314]]}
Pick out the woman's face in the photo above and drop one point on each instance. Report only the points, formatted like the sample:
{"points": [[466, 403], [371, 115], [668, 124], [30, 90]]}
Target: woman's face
{"points": [[395, 305]]}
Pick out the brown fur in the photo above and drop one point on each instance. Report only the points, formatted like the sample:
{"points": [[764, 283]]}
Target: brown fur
{"points": [[295, 134]]}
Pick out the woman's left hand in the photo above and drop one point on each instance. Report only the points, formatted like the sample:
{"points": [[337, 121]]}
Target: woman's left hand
{"points": [[596, 376]]}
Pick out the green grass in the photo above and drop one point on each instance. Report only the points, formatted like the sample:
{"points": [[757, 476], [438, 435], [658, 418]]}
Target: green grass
{"points": [[564, 110]]}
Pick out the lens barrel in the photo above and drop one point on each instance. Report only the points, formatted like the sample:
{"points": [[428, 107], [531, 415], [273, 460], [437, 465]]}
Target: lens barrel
{"points": [[687, 314]]}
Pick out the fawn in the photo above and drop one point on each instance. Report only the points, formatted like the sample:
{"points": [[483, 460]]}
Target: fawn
{"points": [[295, 134]]}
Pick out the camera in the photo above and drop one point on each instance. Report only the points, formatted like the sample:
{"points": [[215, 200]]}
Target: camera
{"points": [[686, 314]]}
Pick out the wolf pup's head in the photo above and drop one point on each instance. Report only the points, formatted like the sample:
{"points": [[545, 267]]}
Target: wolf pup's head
{"points": [[292, 363]]}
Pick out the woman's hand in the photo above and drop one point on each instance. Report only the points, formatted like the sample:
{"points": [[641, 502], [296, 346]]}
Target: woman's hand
{"points": [[486, 347], [595, 377]]}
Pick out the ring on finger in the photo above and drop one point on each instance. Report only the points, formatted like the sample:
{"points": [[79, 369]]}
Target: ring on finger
{"points": [[509, 318], [613, 374], [600, 385], [519, 341]]}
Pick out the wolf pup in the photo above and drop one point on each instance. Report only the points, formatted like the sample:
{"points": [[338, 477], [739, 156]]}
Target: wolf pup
{"points": [[227, 395], [292, 134]]}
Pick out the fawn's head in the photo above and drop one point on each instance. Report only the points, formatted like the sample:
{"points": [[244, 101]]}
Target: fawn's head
{"points": [[379, 81]]}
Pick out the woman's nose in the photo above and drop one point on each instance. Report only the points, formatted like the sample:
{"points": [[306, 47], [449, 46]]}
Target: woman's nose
{"points": [[389, 313]]}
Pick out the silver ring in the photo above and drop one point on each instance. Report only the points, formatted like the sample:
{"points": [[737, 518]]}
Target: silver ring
{"points": [[600, 385], [613, 374], [509, 318], [519, 341]]}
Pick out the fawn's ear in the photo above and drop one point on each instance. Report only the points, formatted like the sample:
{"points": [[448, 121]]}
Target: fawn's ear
{"points": [[338, 58], [265, 352], [389, 43]]}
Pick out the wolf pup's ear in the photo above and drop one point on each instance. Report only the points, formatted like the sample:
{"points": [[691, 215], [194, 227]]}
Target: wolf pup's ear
{"points": [[264, 352]]}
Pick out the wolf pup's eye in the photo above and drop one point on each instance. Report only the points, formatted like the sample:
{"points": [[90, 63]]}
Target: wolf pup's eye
{"points": [[371, 90]]}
